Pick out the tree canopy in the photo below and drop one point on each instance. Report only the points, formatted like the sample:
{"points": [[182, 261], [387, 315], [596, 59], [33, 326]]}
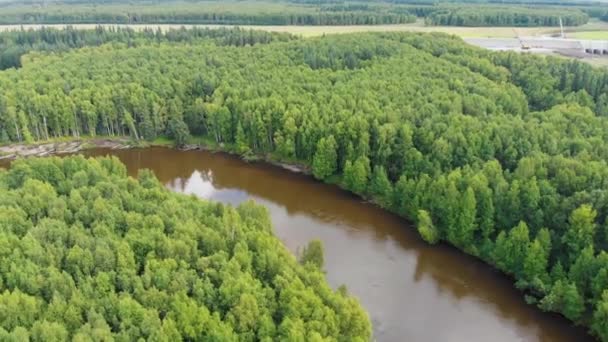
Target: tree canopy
{"points": [[302, 12], [249, 12], [499, 154], [482, 15], [89, 254]]}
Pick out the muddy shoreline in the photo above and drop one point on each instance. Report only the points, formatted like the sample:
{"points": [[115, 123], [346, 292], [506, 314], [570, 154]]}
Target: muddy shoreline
{"points": [[12, 151]]}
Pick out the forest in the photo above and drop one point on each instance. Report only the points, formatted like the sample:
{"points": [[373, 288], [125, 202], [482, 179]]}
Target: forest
{"points": [[501, 155], [286, 12], [505, 16], [14, 44], [200, 12], [89, 254]]}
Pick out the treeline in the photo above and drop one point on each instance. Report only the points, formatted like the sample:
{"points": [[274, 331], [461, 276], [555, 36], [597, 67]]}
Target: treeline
{"points": [[14, 44], [321, 18], [296, 13], [89, 254], [499, 154], [546, 82], [505, 16], [245, 13], [595, 12], [380, 7]]}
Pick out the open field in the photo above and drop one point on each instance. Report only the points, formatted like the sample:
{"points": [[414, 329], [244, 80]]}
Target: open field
{"points": [[311, 31], [595, 29], [597, 61], [498, 32], [599, 35], [592, 30]]}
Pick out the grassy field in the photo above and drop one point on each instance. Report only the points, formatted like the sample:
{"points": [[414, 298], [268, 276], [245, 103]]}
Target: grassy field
{"points": [[471, 32], [598, 62], [595, 29], [592, 30], [311, 31], [599, 35]]}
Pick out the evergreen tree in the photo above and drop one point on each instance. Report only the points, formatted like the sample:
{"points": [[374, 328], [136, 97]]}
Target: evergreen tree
{"points": [[466, 221], [241, 145], [356, 175], [426, 228], [564, 298], [135, 269], [581, 231], [325, 160], [600, 317], [313, 253], [380, 188], [178, 131]]}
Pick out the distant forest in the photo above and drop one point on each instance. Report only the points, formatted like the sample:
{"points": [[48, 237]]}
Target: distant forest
{"points": [[505, 16], [251, 12], [14, 44]]}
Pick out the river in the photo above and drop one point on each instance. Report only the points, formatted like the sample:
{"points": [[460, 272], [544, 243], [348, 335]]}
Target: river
{"points": [[413, 291]]}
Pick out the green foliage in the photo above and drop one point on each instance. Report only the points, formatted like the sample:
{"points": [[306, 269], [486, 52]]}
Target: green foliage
{"points": [[480, 15], [581, 231], [325, 160], [504, 153], [97, 256], [313, 253], [306, 12], [356, 175], [15, 44], [240, 141], [511, 249], [600, 317], [380, 187], [178, 131], [537, 260], [564, 298], [465, 226], [209, 12], [426, 228]]}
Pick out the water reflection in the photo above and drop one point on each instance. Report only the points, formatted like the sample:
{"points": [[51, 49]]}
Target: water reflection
{"points": [[414, 292]]}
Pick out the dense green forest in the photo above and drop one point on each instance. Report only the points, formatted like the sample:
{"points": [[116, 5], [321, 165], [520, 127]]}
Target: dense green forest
{"points": [[205, 12], [285, 12], [505, 16], [500, 154], [89, 254], [14, 44]]}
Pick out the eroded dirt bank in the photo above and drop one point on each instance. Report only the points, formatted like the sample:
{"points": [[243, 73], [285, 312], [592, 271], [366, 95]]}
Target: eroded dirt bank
{"points": [[49, 148]]}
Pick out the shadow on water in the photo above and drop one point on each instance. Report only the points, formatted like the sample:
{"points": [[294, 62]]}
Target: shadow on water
{"points": [[413, 291]]}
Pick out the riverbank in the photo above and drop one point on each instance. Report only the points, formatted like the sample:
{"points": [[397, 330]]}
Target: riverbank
{"points": [[203, 144], [41, 149], [67, 146]]}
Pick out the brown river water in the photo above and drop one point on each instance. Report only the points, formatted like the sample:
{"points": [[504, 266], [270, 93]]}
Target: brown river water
{"points": [[412, 291]]}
